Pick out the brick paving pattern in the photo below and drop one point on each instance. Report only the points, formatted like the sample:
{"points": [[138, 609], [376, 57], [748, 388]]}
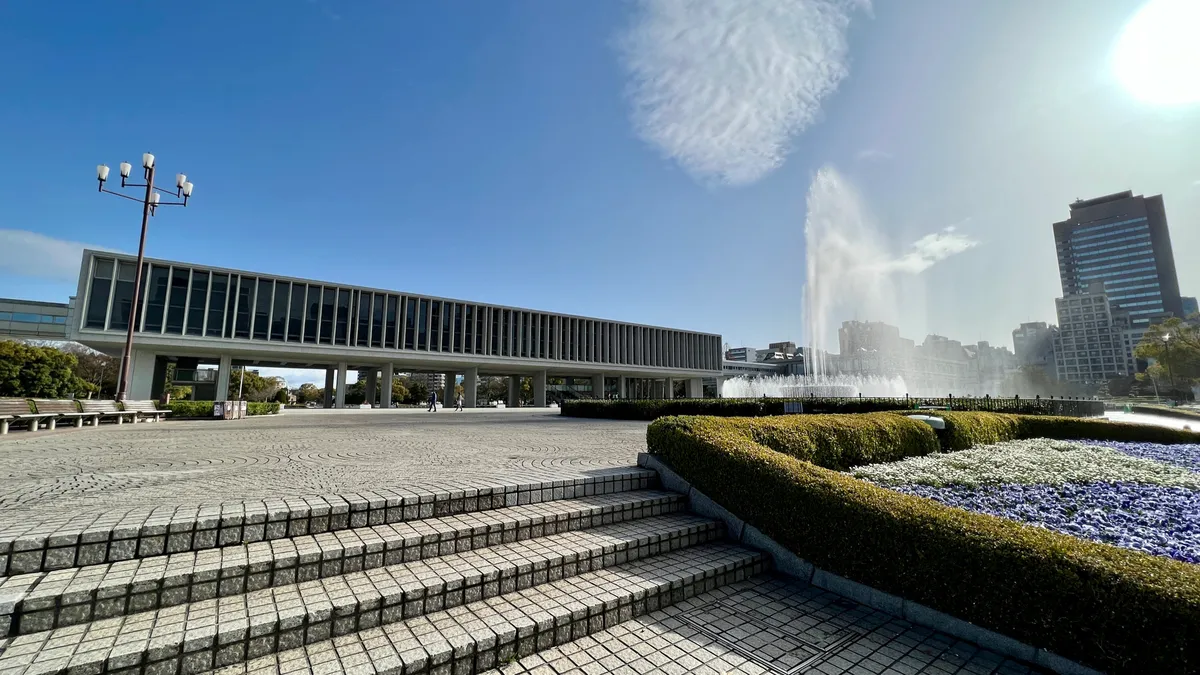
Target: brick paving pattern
{"points": [[509, 543]]}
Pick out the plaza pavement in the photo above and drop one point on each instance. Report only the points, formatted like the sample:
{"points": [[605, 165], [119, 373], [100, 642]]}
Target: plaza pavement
{"points": [[332, 476]]}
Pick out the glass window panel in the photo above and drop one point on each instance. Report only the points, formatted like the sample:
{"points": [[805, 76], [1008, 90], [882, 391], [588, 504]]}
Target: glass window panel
{"points": [[216, 305], [312, 322], [389, 333], [195, 313], [245, 307], [410, 323], [505, 332], [362, 318], [377, 302], [423, 325], [296, 313], [458, 327], [328, 307], [98, 296], [122, 297], [469, 329], [435, 324], [156, 300], [279, 310], [343, 316], [177, 301], [262, 309], [447, 324], [479, 328], [495, 331]]}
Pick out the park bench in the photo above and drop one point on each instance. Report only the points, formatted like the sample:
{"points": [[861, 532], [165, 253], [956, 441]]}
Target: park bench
{"points": [[145, 410], [66, 410], [107, 410], [17, 410]]}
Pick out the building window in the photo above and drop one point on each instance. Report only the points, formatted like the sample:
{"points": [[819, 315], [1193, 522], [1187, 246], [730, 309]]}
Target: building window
{"points": [[279, 308], [156, 301], [389, 337], [469, 329], [245, 307], [177, 302], [195, 312], [122, 305], [262, 309], [312, 322], [98, 295], [422, 326], [447, 325], [296, 314], [435, 323], [480, 318], [342, 333], [362, 331], [216, 305], [495, 331], [410, 323], [377, 302], [328, 310]]}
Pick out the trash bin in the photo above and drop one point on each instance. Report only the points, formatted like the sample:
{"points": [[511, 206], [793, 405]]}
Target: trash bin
{"points": [[218, 409]]}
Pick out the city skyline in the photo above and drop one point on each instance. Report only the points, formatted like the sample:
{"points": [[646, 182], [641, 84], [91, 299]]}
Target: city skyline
{"points": [[569, 163]]}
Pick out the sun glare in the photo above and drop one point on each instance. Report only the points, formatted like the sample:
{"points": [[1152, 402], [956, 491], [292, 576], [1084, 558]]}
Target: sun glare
{"points": [[1157, 57]]}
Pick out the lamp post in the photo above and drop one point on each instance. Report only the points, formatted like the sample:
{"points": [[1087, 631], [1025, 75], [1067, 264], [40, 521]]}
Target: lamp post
{"points": [[150, 202], [1167, 361]]}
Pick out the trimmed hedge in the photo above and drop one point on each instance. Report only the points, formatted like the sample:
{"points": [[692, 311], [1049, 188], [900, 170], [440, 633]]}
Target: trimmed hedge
{"points": [[839, 441], [652, 409], [1118, 610], [968, 429], [181, 409]]}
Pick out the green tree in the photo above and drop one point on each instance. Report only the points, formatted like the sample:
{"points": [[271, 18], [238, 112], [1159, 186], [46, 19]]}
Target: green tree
{"points": [[418, 392], [281, 396], [96, 368], [39, 372], [400, 393], [253, 387], [1174, 347], [309, 393]]}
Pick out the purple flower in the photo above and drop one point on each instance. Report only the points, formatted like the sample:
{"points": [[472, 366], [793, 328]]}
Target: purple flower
{"points": [[1158, 520], [1183, 455]]}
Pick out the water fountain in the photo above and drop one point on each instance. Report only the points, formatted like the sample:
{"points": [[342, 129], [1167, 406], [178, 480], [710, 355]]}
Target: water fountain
{"points": [[848, 266]]}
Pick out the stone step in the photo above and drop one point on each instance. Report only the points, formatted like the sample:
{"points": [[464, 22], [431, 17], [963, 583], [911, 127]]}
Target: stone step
{"points": [[222, 631], [46, 600], [93, 539], [496, 631]]}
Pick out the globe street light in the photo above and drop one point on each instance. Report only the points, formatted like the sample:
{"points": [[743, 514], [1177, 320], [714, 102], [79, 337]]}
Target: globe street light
{"points": [[150, 202]]}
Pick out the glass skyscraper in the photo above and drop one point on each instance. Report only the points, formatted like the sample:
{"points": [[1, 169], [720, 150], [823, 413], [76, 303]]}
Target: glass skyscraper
{"points": [[1122, 242]]}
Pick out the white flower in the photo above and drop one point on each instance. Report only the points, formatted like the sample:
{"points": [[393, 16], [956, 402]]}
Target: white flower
{"points": [[1029, 462]]}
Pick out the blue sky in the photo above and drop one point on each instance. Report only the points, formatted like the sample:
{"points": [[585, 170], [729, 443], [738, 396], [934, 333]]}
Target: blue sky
{"points": [[648, 161]]}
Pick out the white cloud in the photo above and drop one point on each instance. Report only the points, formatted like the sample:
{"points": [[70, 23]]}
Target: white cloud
{"points": [[29, 254], [722, 86], [873, 155], [931, 249]]}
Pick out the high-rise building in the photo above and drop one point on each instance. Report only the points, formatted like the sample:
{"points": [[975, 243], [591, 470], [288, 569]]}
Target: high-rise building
{"points": [[1092, 342], [747, 354], [1121, 241], [870, 336], [1190, 306], [1033, 344]]}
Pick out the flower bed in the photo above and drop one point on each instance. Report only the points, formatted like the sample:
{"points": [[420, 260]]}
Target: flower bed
{"points": [[1141, 496]]}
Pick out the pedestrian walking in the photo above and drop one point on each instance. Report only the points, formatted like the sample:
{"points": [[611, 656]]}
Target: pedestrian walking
{"points": [[432, 401], [458, 403]]}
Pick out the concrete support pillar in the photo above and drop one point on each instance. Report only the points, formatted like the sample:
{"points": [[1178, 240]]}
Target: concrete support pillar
{"points": [[449, 399], [470, 387], [695, 387], [329, 382], [621, 386], [223, 378], [141, 375], [539, 389], [598, 386], [514, 391], [339, 400], [372, 385], [385, 396], [669, 388]]}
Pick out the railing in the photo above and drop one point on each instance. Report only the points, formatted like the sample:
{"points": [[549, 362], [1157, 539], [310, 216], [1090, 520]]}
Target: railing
{"points": [[1067, 407]]}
